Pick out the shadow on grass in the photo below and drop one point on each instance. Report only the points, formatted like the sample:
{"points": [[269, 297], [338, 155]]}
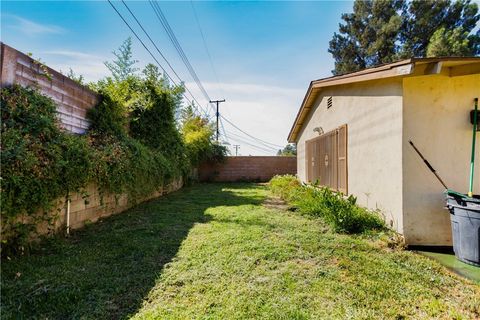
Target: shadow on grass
{"points": [[106, 269]]}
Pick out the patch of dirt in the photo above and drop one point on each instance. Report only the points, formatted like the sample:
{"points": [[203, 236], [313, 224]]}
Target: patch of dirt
{"points": [[276, 203]]}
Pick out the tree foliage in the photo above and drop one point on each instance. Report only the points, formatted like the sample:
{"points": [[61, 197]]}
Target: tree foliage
{"points": [[289, 150], [382, 31], [123, 66], [79, 78], [368, 36], [39, 162], [134, 146], [448, 43], [198, 136]]}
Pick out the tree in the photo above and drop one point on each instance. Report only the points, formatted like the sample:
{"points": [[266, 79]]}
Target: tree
{"points": [[449, 43], [198, 136], [381, 31], [368, 36], [289, 150], [123, 66], [422, 19]]}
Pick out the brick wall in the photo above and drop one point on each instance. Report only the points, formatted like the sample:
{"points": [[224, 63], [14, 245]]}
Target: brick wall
{"points": [[72, 99], [250, 168]]}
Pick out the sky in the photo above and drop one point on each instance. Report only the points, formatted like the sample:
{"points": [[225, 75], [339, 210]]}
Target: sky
{"points": [[263, 54]]}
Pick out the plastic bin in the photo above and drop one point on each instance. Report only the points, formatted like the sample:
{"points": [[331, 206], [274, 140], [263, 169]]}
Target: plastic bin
{"points": [[465, 218]]}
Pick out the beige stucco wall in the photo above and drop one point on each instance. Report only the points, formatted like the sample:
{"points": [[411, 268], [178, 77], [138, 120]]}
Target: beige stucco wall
{"points": [[436, 118], [373, 112]]}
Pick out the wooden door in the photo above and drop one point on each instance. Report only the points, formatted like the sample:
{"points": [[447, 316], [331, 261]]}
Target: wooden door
{"points": [[326, 159]]}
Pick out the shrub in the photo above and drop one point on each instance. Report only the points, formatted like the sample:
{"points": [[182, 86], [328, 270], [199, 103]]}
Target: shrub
{"points": [[108, 117], [40, 163], [284, 186], [342, 213], [133, 146], [198, 137]]}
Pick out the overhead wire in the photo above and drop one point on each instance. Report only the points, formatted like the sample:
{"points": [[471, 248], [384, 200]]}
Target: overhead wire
{"points": [[265, 146], [247, 134], [151, 54], [233, 135], [159, 52], [268, 151], [206, 48], [164, 22], [223, 129]]}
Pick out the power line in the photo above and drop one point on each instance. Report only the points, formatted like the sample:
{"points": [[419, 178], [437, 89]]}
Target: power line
{"points": [[148, 50], [163, 20], [252, 145], [158, 50], [206, 47], [236, 136], [255, 138], [223, 130], [267, 146]]}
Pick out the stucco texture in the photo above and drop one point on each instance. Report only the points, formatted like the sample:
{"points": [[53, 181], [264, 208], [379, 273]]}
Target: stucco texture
{"points": [[436, 119], [384, 172], [373, 113]]}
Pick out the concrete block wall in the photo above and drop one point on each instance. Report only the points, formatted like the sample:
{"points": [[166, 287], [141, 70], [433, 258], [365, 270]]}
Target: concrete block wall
{"points": [[251, 168], [72, 99], [92, 207]]}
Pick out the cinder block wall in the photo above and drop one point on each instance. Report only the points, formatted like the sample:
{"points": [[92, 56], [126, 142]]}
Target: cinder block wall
{"points": [[92, 207], [72, 99], [251, 168]]}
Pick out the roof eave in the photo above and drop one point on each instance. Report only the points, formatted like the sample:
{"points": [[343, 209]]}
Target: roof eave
{"points": [[400, 68]]}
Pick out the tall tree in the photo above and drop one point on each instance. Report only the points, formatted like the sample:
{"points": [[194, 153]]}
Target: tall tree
{"points": [[368, 36], [123, 65], [381, 31], [449, 43], [423, 18]]}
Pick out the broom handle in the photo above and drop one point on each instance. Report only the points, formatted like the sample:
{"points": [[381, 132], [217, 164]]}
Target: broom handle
{"points": [[428, 164], [472, 160]]}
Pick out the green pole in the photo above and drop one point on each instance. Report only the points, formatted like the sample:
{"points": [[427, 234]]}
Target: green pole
{"points": [[470, 189]]}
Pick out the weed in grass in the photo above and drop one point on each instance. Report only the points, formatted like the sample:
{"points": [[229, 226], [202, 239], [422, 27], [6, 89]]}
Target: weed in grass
{"points": [[341, 212]]}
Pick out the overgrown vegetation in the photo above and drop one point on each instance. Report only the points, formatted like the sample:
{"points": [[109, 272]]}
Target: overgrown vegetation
{"points": [[379, 32], [134, 146], [213, 251], [341, 212], [39, 162], [198, 136]]}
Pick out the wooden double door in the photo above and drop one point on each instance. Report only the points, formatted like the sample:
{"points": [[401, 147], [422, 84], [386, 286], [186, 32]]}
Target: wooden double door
{"points": [[326, 159]]}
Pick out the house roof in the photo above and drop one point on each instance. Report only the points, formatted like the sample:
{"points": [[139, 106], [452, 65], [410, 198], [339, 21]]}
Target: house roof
{"points": [[449, 66]]}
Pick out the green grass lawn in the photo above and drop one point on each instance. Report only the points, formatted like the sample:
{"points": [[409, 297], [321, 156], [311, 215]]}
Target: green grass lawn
{"points": [[215, 251]]}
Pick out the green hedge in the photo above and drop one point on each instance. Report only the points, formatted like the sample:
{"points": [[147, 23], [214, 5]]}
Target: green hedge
{"points": [[341, 212], [41, 163]]}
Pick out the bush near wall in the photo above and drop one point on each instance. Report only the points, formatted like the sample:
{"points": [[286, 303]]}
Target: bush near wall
{"points": [[341, 212], [42, 163]]}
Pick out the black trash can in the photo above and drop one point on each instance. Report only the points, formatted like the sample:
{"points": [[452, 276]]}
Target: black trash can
{"points": [[465, 218]]}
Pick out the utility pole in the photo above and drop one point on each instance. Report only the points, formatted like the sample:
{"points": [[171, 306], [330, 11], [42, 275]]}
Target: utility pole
{"points": [[236, 146], [217, 114]]}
